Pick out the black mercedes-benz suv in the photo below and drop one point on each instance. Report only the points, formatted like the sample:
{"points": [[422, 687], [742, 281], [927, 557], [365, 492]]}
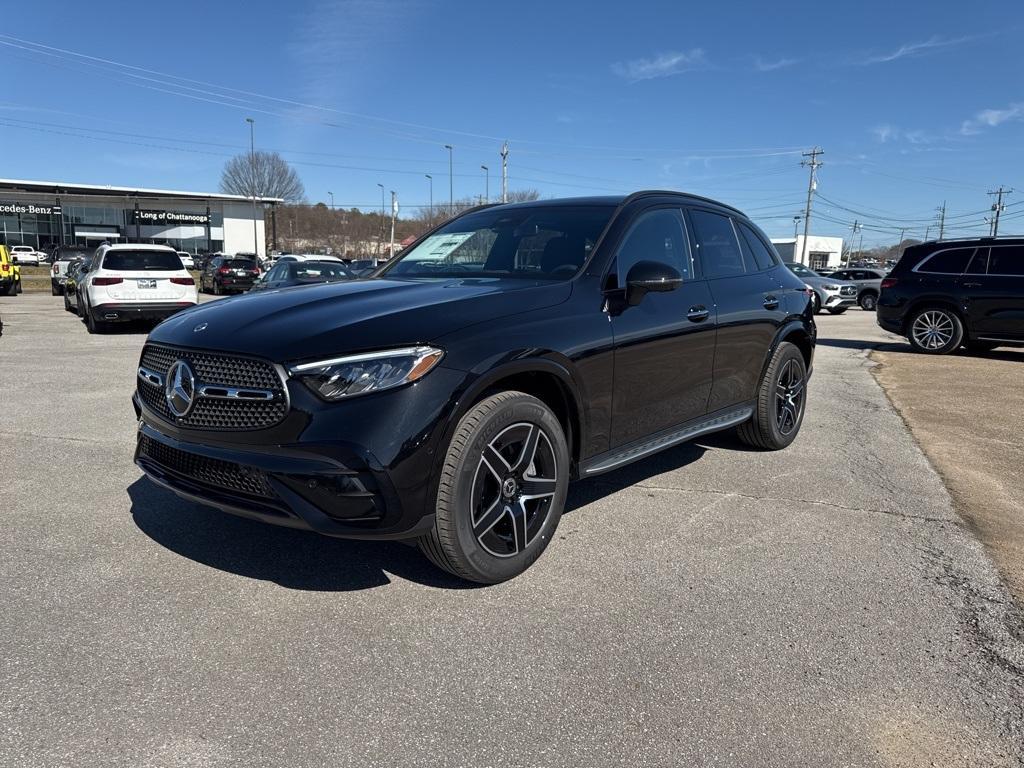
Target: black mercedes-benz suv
{"points": [[452, 396], [951, 293]]}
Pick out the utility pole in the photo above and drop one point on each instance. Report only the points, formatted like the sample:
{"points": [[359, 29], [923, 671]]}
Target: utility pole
{"points": [[942, 219], [252, 180], [487, 183], [853, 236], [813, 164], [998, 207], [394, 210], [451, 184], [380, 233], [927, 231], [332, 200], [430, 216], [504, 172]]}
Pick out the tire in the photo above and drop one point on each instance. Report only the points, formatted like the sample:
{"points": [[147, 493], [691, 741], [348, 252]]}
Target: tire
{"points": [[868, 302], [18, 287], [67, 304], [837, 311], [815, 303], [54, 290], [12, 289], [935, 331], [78, 307], [778, 417], [502, 427], [94, 325]]}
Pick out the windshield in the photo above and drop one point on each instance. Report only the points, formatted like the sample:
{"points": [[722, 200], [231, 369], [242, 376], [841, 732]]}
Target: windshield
{"points": [[317, 271], [800, 269], [131, 261], [536, 242]]}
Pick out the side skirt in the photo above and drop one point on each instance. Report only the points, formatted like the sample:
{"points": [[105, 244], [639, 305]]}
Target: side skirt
{"points": [[626, 454]]}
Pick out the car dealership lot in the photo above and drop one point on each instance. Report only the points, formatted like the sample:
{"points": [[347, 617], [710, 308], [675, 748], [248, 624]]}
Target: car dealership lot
{"points": [[712, 605]]}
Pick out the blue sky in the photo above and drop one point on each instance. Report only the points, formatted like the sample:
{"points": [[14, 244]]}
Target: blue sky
{"points": [[913, 102]]}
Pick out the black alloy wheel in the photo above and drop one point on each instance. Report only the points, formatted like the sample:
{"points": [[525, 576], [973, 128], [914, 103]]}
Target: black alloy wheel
{"points": [[868, 302], [502, 490], [781, 401]]}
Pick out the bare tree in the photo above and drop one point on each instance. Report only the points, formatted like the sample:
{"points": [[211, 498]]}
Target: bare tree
{"points": [[523, 195], [263, 174]]}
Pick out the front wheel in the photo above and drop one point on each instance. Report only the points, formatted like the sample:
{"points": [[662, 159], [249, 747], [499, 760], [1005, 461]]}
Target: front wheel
{"points": [[868, 302], [935, 331], [781, 401], [837, 311], [502, 490]]}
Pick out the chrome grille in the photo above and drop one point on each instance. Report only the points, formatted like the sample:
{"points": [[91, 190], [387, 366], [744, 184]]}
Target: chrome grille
{"points": [[848, 290], [221, 371], [223, 474]]}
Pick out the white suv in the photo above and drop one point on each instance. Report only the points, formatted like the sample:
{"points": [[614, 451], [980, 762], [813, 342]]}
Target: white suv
{"points": [[135, 282], [25, 254]]}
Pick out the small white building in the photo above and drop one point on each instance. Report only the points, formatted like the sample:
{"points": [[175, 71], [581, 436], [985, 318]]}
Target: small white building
{"points": [[821, 253]]}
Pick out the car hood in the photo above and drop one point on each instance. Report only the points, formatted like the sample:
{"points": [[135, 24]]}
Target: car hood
{"points": [[307, 322]]}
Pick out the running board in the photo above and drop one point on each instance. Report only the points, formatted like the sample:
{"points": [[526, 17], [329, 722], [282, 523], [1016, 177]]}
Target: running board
{"points": [[664, 440]]}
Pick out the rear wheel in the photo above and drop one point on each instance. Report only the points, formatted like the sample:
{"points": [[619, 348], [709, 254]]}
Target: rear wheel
{"points": [[94, 325], [781, 401], [12, 289], [815, 303], [502, 490], [868, 302], [935, 331]]}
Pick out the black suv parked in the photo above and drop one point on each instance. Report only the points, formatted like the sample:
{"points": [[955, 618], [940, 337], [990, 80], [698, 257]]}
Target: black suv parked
{"points": [[453, 396], [227, 274], [953, 293]]}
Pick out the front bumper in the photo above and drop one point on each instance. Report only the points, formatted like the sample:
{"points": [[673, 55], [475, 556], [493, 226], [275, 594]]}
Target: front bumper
{"points": [[346, 500], [837, 301], [115, 313]]}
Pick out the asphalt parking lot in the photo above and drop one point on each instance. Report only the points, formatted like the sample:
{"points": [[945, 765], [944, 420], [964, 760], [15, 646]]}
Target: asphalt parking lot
{"points": [[823, 605]]}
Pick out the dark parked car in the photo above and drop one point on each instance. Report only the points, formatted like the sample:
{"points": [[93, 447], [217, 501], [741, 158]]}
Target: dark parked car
{"points": [[227, 274], [286, 274], [63, 255], [953, 293], [73, 278], [451, 399]]}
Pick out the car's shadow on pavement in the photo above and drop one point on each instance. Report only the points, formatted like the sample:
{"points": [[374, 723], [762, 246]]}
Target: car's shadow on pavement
{"points": [[309, 561], [1001, 353]]}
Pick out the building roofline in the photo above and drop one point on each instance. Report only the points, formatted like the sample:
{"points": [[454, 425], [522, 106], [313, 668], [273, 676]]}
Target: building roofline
{"points": [[70, 188]]}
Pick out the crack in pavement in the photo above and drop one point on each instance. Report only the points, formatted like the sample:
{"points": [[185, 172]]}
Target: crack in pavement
{"points": [[818, 502]]}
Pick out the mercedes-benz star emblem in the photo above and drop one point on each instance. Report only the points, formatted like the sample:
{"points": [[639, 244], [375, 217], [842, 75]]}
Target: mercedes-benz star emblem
{"points": [[181, 389], [198, 328]]}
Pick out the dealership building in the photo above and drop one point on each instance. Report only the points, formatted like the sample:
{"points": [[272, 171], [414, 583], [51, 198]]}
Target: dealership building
{"points": [[820, 253], [47, 213]]}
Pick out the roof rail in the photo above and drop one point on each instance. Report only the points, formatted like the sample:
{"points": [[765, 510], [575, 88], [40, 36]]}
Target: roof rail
{"points": [[656, 192]]}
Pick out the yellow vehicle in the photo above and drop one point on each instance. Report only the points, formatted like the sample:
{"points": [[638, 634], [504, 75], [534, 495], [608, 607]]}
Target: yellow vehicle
{"points": [[10, 274]]}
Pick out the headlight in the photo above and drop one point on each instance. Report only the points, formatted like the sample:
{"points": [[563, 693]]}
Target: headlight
{"points": [[353, 375], [830, 287]]}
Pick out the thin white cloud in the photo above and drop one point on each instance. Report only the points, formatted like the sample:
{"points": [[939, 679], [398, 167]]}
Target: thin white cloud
{"points": [[915, 49], [886, 133], [662, 65], [992, 118], [761, 65]]}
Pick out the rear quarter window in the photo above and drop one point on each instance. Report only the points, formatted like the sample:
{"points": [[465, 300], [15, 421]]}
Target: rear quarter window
{"points": [[1006, 260], [951, 261]]}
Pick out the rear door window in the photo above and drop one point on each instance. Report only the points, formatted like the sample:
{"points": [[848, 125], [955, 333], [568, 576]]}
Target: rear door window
{"points": [[717, 248], [952, 261], [979, 264], [762, 256], [138, 261], [1006, 260]]}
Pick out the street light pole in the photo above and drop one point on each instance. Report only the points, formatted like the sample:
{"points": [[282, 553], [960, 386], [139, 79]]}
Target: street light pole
{"points": [[332, 200], [451, 183], [430, 215], [252, 180], [796, 225], [394, 207], [487, 183]]}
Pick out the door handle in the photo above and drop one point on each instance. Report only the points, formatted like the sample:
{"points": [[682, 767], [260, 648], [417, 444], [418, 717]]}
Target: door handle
{"points": [[972, 285], [697, 314], [770, 302]]}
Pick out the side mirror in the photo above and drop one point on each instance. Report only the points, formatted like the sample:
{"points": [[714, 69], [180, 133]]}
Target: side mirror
{"points": [[650, 276]]}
